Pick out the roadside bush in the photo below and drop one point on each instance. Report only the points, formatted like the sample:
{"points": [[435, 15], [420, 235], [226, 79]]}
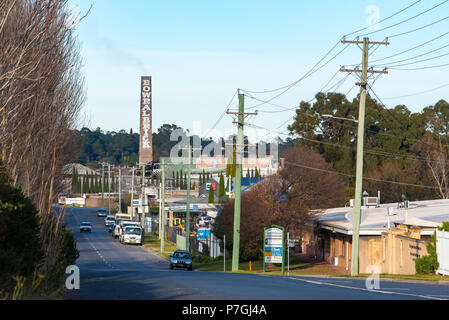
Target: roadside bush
{"points": [[20, 244], [428, 264], [67, 255]]}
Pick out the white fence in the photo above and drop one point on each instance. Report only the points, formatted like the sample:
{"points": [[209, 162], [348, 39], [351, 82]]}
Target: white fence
{"points": [[443, 252]]}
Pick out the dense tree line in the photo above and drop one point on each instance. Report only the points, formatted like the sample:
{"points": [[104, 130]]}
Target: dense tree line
{"points": [[407, 149], [122, 147]]}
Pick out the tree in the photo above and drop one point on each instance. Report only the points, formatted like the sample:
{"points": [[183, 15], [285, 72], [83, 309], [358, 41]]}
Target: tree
{"points": [[288, 199], [429, 264], [211, 198], [221, 188], [21, 248], [74, 180]]}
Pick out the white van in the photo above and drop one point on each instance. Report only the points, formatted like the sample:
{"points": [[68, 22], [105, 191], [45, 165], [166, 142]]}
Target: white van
{"points": [[132, 235], [126, 223], [118, 222]]}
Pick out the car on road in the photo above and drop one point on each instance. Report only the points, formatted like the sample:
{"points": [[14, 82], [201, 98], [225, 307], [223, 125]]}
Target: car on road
{"points": [[131, 235], [108, 220], [116, 231], [102, 213], [86, 226], [123, 224], [181, 259]]}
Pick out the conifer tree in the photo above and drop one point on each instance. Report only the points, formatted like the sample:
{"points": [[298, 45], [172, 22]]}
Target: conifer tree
{"points": [[221, 187], [211, 198]]}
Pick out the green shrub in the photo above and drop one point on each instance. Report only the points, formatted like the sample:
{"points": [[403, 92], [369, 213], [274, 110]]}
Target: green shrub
{"points": [[428, 264], [20, 244]]}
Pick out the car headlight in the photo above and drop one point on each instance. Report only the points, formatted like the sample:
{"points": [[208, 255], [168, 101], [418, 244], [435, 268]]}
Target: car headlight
{"points": [[175, 261], [188, 262]]}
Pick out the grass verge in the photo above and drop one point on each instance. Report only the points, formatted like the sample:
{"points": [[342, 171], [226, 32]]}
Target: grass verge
{"points": [[153, 243]]}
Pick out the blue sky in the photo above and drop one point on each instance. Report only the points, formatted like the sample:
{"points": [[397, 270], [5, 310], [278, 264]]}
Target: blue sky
{"points": [[200, 52]]}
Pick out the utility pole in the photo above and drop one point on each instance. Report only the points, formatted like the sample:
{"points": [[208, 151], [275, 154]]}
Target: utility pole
{"points": [[238, 179], [109, 188], [189, 171], [132, 194], [102, 184], [360, 143], [162, 221], [160, 206], [119, 189]]}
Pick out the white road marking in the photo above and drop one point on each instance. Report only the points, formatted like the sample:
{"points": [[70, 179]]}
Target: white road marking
{"points": [[364, 289]]}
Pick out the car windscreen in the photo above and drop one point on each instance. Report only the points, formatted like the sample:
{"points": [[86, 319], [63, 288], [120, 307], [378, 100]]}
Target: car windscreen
{"points": [[181, 255], [85, 224], [136, 231]]}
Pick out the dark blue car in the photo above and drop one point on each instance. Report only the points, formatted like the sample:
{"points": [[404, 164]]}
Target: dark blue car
{"points": [[181, 259]]}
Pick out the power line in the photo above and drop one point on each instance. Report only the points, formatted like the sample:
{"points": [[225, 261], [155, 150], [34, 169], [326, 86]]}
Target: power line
{"points": [[383, 20], [221, 116], [414, 57], [417, 29], [423, 68], [336, 86], [353, 176], [413, 48], [369, 151], [419, 61], [418, 93], [300, 79], [406, 20], [303, 78]]}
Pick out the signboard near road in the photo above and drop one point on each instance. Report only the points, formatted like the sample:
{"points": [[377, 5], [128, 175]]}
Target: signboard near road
{"points": [[273, 245], [75, 201]]}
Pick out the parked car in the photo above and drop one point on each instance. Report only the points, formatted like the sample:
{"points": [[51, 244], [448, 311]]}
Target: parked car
{"points": [[181, 259], [132, 235], [108, 220], [102, 212], [126, 223], [85, 226]]}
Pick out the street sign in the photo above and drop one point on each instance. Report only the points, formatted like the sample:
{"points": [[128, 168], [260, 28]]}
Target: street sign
{"points": [[274, 245], [211, 184]]}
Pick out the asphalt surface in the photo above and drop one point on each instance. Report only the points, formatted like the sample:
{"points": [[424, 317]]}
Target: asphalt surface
{"points": [[110, 270]]}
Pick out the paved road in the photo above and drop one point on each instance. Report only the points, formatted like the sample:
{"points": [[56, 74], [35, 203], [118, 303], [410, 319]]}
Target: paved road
{"points": [[110, 270]]}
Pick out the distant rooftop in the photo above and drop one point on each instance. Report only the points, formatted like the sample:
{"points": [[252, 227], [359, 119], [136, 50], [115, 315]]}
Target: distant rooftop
{"points": [[426, 214], [82, 170]]}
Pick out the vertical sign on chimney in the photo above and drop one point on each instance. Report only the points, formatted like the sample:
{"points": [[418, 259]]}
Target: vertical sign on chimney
{"points": [[146, 137]]}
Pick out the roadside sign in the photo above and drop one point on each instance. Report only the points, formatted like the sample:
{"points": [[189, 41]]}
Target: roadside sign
{"points": [[211, 184], [273, 245], [203, 233]]}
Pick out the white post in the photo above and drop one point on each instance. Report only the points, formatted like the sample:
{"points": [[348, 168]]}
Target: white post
{"points": [[288, 253], [224, 253], [160, 207]]}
